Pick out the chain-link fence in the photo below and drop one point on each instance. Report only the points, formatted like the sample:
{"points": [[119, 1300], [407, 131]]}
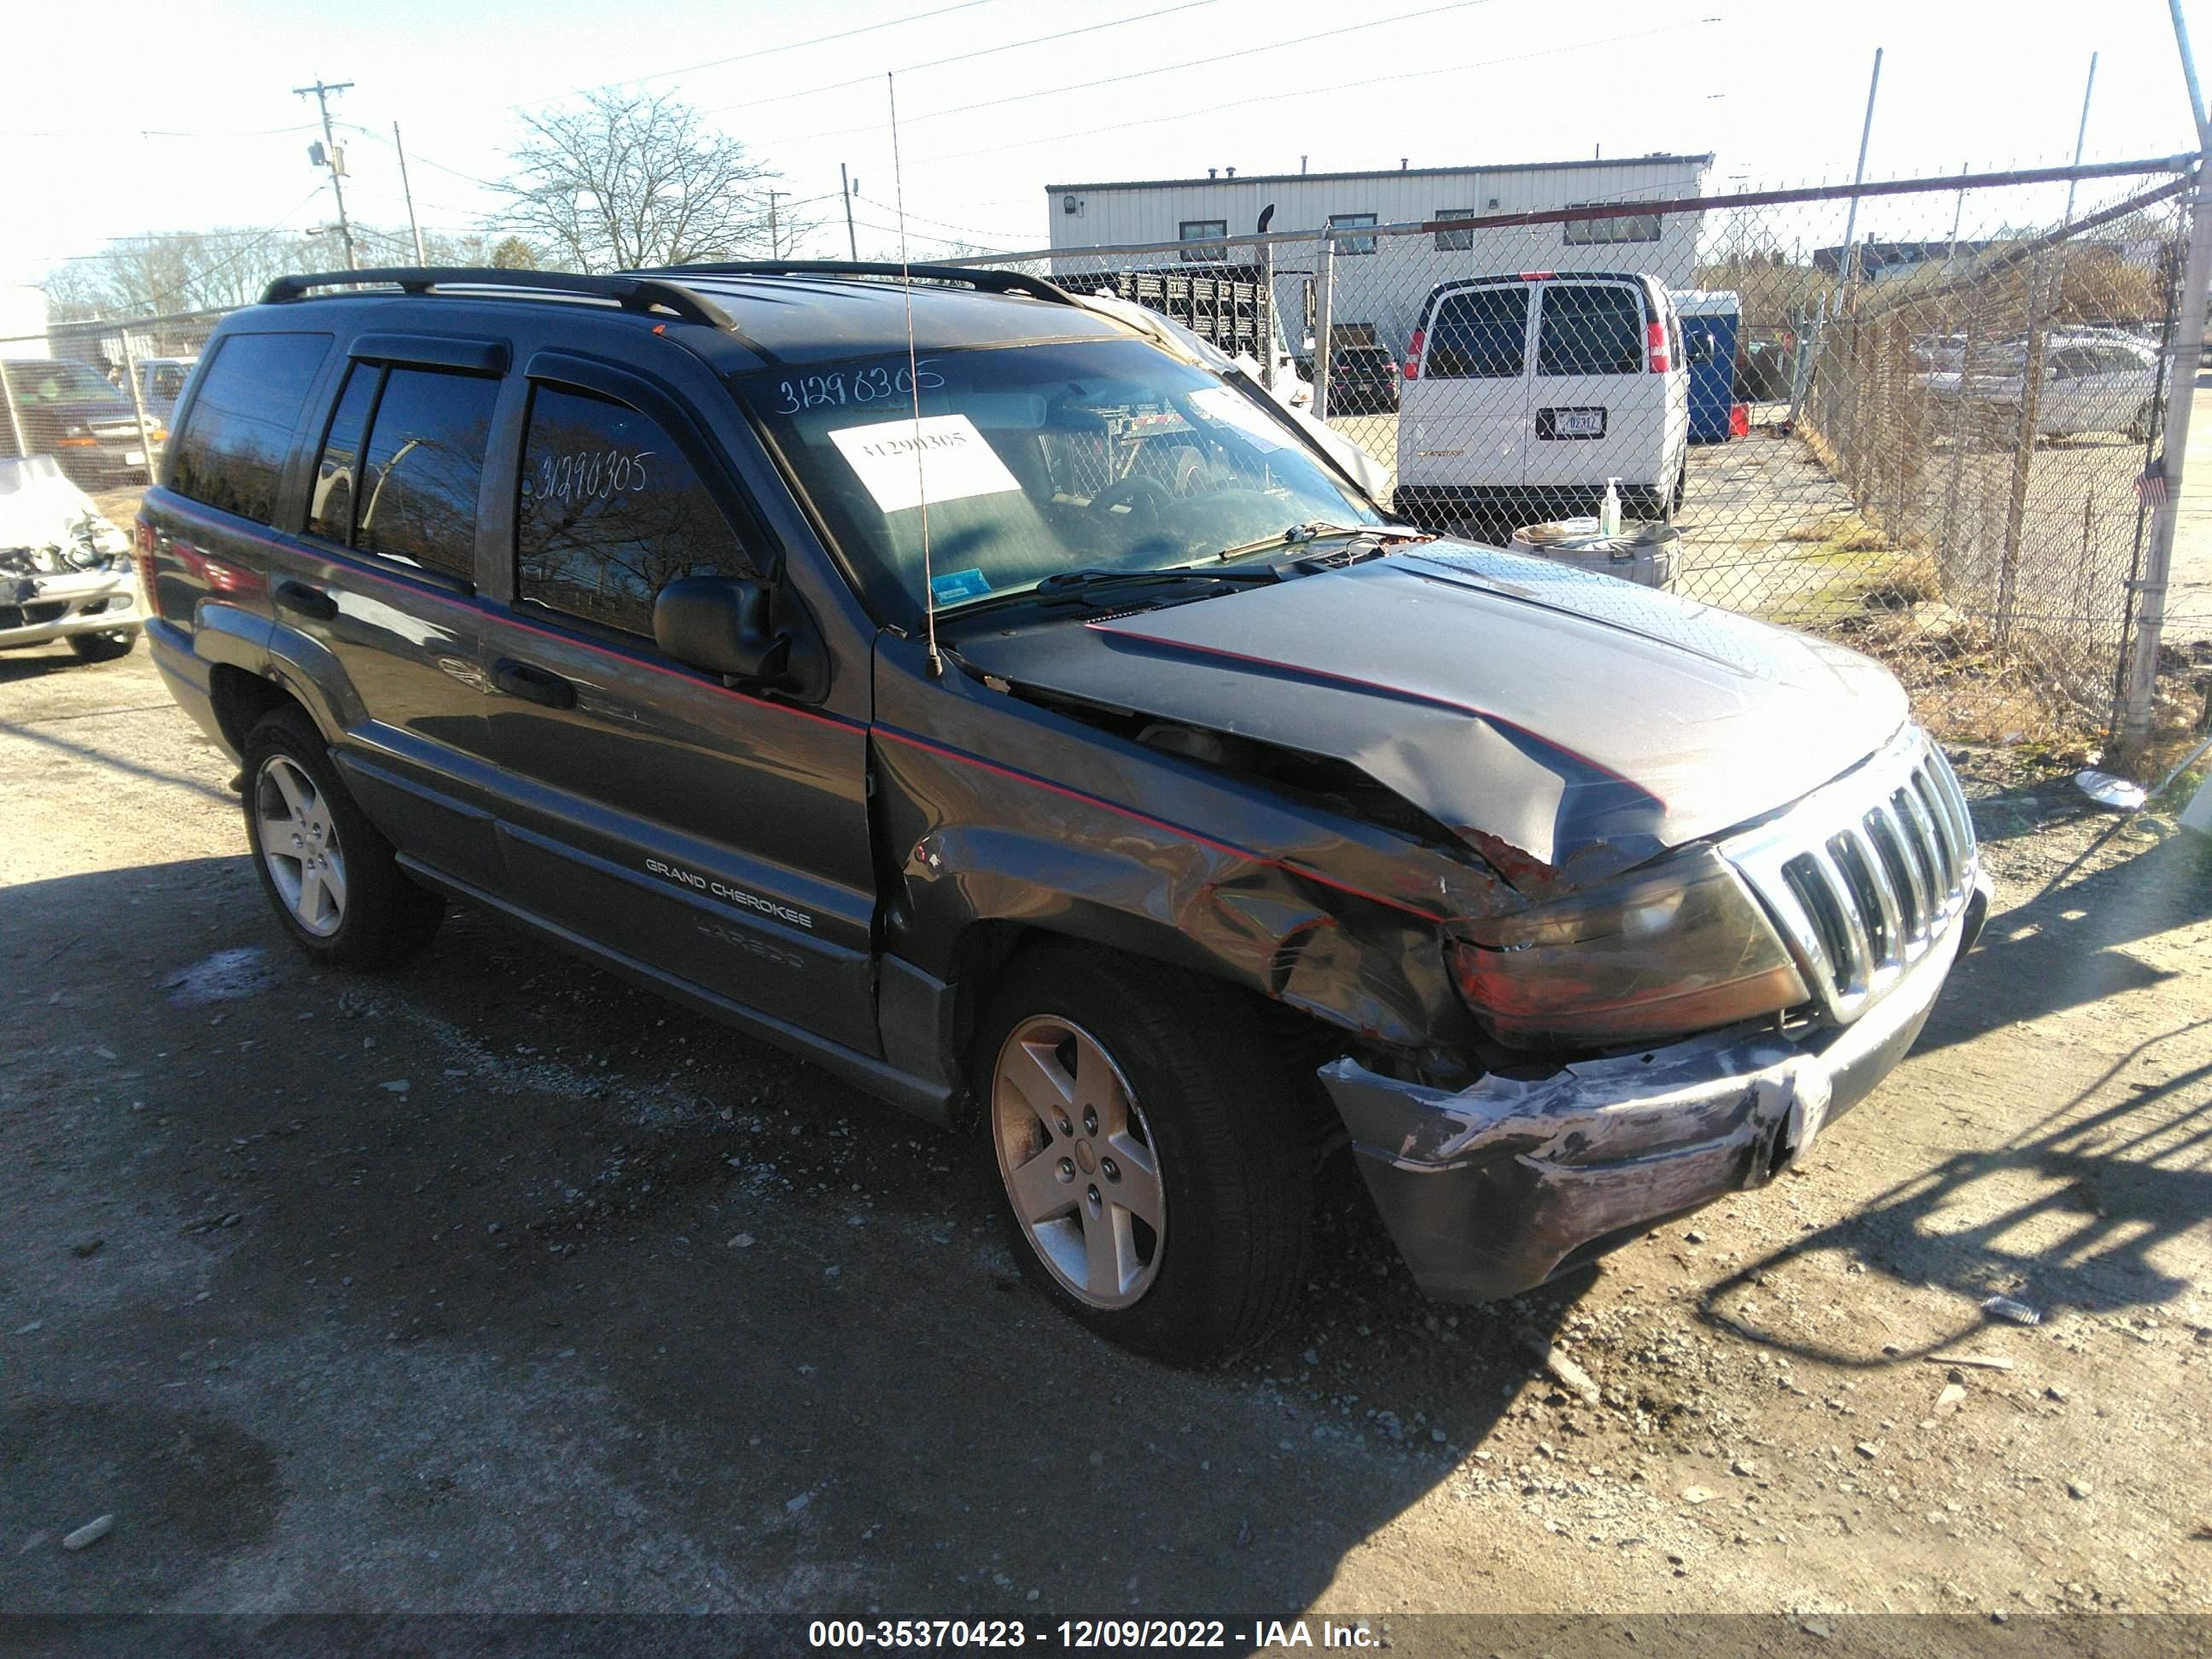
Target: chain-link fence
{"points": [[97, 398], [1924, 438]]}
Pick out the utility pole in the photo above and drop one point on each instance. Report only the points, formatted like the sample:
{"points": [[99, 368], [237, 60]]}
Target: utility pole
{"points": [[1850, 271], [408, 190], [774, 240], [321, 92], [2185, 345], [852, 241], [2082, 134]]}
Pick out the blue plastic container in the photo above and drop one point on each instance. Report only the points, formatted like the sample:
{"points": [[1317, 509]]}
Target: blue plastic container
{"points": [[1717, 317]]}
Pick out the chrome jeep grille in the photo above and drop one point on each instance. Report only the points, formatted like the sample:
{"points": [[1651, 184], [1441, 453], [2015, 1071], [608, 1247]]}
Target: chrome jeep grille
{"points": [[1864, 875]]}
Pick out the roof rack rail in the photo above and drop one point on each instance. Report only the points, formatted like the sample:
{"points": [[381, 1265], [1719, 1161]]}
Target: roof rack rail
{"points": [[632, 293], [989, 280]]}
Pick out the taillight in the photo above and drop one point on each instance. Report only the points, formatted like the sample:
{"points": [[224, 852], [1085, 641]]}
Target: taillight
{"points": [[145, 557], [1655, 337], [1414, 354]]}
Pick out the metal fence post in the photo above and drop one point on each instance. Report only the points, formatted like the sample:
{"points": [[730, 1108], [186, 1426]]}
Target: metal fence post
{"points": [[2023, 454], [1266, 352], [1324, 282], [2186, 346], [15, 420], [138, 403]]}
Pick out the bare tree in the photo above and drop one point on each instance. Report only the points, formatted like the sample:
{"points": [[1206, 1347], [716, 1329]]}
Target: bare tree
{"points": [[161, 273], [618, 181]]}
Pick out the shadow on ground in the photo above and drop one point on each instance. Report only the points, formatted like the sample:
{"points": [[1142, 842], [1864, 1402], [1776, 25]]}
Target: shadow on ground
{"points": [[498, 1284], [2069, 1212]]}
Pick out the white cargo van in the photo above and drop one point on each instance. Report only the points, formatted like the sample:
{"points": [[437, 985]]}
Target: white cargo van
{"points": [[1523, 394]]}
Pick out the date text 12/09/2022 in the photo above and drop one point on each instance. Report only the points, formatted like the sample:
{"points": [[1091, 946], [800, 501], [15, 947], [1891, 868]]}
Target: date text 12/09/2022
{"points": [[1087, 1635]]}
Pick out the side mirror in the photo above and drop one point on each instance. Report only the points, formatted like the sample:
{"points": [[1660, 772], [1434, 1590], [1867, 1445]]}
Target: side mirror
{"points": [[721, 625]]}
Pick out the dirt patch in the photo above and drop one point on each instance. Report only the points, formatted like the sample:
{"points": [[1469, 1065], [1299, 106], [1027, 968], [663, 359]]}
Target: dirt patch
{"points": [[607, 1310]]}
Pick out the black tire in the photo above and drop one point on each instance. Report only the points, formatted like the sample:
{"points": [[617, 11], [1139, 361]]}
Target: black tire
{"points": [[1223, 1119], [2139, 425], [384, 917], [104, 647], [1681, 488]]}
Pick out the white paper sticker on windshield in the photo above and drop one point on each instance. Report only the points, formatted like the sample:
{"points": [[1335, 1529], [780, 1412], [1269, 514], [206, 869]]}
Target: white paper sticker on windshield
{"points": [[955, 460], [1218, 402]]}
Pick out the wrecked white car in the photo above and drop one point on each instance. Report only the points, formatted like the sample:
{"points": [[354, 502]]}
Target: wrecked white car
{"points": [[65, 571]]}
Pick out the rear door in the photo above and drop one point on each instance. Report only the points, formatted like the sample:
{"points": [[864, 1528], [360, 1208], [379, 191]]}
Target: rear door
{"points": [[1595, 410], [1463, 417], [716, 839], [381, 576]]}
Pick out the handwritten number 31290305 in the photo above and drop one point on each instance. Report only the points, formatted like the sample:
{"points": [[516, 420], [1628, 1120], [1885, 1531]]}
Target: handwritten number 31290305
{"points": [[874, 383]]}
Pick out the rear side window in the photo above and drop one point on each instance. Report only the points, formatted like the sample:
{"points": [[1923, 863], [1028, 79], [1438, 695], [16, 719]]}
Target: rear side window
{"points": [[1591, 329], [231, 452], [611, 513], [337, 472], [1480, 334], [422, 468]]}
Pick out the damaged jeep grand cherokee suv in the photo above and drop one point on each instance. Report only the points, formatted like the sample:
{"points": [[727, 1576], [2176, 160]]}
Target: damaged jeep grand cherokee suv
{"points": [[989, 693]]}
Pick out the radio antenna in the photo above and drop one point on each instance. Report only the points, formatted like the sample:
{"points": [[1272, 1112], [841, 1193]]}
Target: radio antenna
{"points": [[914, 384]]}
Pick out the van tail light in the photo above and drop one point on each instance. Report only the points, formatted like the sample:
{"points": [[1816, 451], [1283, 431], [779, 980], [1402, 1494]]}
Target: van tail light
{"points": [[1655, 337], [1414, 354]]}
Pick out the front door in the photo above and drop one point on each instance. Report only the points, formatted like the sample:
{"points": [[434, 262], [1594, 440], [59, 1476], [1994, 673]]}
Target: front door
{"points": [[716, 838]]}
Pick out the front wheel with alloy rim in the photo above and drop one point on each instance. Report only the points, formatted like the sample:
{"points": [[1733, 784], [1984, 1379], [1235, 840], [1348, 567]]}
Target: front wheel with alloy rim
{"points": [[1150, 1145], [331, 877]]}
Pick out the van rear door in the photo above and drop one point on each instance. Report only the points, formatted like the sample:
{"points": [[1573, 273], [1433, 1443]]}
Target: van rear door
{"points": [[1596, 410], [1463, 419]]}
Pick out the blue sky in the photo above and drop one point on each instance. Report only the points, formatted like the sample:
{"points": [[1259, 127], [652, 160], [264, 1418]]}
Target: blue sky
{"points": [[151, 117]]}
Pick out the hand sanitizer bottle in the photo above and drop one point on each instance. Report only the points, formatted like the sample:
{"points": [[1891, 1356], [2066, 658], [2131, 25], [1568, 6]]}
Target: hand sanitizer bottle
{"points": [[1608, 516]]}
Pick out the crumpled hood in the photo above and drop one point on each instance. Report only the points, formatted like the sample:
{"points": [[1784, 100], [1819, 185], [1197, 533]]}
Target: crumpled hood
{"points": [[1564, 724]]}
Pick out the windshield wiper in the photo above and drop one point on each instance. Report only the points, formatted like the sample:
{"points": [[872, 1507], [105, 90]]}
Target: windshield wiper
{"points": [[1315, 530], [1064, 583]]}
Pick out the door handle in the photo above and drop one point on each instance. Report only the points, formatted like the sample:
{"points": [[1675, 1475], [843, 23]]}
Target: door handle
{"points": [[532, 683], [308, 601]]}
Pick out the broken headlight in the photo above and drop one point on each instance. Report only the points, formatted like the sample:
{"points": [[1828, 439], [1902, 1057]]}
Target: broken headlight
{"points": [[1677, 947]]}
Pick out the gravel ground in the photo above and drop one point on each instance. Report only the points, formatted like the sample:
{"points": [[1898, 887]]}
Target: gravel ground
{"points": [[498, 1286]]}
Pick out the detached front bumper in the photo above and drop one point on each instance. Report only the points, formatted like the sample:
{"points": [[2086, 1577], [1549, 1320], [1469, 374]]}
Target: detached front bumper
{"points": [[35, 610], [1495, 1190]]}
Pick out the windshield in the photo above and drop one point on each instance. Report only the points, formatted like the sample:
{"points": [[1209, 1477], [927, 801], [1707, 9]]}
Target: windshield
{"points": [[1091, 455], [58, 383]]}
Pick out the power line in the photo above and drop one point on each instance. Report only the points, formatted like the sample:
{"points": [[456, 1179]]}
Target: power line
{"points": [[237, 132], [770, 51], [960, 58], [942, 224], [1208, 62], [1332, 86]]}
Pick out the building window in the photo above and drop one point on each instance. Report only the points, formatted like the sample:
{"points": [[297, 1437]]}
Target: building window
{"points": [[1455, 241], [1202, 240], [1353, 244], [1626, 228]]}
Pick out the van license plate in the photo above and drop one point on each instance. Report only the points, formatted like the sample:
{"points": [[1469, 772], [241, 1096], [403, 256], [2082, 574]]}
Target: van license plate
{"points": [[1579, 422], [134, 458]]}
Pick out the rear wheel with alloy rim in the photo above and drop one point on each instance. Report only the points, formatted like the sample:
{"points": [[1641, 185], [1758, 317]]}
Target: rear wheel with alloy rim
{"points": [[331, 877], [1149, 1140]]}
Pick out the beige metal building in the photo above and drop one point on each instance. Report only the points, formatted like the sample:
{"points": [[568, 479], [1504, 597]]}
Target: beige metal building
{"points": [[1380, 301]]}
